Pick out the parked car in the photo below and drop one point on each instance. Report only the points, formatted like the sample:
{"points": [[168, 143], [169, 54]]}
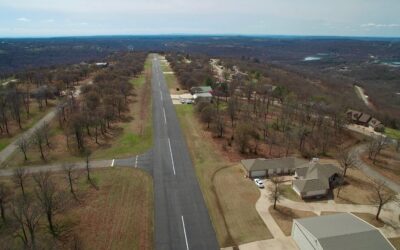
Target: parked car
{"points": [[187, 101], [259, 183]]}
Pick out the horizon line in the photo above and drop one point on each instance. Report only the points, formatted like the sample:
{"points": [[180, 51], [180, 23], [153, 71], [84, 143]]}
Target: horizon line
{"points": [[198, 35]]}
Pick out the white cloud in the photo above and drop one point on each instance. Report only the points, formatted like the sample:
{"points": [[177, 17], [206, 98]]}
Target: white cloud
{"points": [[48, 21], [377, 25], [23, 19]]}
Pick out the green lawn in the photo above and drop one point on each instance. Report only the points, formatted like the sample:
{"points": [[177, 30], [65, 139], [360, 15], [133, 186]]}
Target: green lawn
{"points": [[393, 133], [288, 192], [230, 197]]}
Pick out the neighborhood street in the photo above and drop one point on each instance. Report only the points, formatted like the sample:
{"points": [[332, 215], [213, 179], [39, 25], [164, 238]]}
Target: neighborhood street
{"points": [[358, 150]]}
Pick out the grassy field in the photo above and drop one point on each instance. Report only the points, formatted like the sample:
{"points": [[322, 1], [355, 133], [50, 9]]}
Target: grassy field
{"points": [[130, 136], [288, 192], [393, 133], [137, 135], [230, 197], [119, 215], [387, 163], [395, 242], [284, 217]]}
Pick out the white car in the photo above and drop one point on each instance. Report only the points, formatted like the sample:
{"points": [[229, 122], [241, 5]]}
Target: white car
{"points": [[259, 183], [187, 101]]}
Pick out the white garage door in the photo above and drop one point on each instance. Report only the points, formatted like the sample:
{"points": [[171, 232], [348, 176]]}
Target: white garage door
{"points": [[260, 173], [301, 239]]}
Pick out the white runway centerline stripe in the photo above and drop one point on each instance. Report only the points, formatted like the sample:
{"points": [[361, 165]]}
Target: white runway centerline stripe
{"points": [[112, 163], [172, 157], [136, 161], [165, 117], [161, 95], [184, 231]]}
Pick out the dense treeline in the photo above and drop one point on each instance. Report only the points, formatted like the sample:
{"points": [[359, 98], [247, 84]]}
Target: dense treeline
{"points": [[191, 71], [88, 111], [255, 117], [34, 88], [102, 102], [344, 61]]}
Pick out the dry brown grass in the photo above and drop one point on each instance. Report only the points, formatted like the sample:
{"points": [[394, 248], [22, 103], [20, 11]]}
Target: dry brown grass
{"points": [[237, 196], [395, 242], [370, 218], [119, 215], [387, 163], [284, 217], [356, 190]]}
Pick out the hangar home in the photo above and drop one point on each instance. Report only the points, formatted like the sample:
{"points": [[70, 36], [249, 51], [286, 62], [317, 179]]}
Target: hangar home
{"points": [[338, 231], [315, 179], [262, 167]]}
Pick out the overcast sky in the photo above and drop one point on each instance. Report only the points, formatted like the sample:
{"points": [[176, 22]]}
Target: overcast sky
{"points": [[247, 17]]}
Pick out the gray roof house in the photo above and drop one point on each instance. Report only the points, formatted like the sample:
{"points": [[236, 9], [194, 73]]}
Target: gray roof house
{"points": [[342, 231], [262, 167], [202, 97], [200, 89], [315, 179]]}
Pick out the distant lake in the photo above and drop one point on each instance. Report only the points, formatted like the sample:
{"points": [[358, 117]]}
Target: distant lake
{"points": [[392, 64], [311, 58]]}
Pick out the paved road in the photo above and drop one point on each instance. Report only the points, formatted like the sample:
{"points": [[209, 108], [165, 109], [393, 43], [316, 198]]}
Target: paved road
{"points": [[181, 217], [358, 150], [7, 151]]}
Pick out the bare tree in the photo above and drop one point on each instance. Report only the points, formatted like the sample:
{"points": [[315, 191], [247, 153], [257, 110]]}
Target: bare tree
{"points": [[19, 178], [39, 139], [274, 193], [5, 193], [381, 196], [27, 216], [68, 170], [243, 136], [346, 159], [232, 110], [23, 145], [375, 147], [207, 113], [49, 198], [89, 179], [46, 130]]}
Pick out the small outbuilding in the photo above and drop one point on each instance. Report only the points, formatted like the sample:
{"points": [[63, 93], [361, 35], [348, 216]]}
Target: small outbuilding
{"points": [[342, 231]]}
